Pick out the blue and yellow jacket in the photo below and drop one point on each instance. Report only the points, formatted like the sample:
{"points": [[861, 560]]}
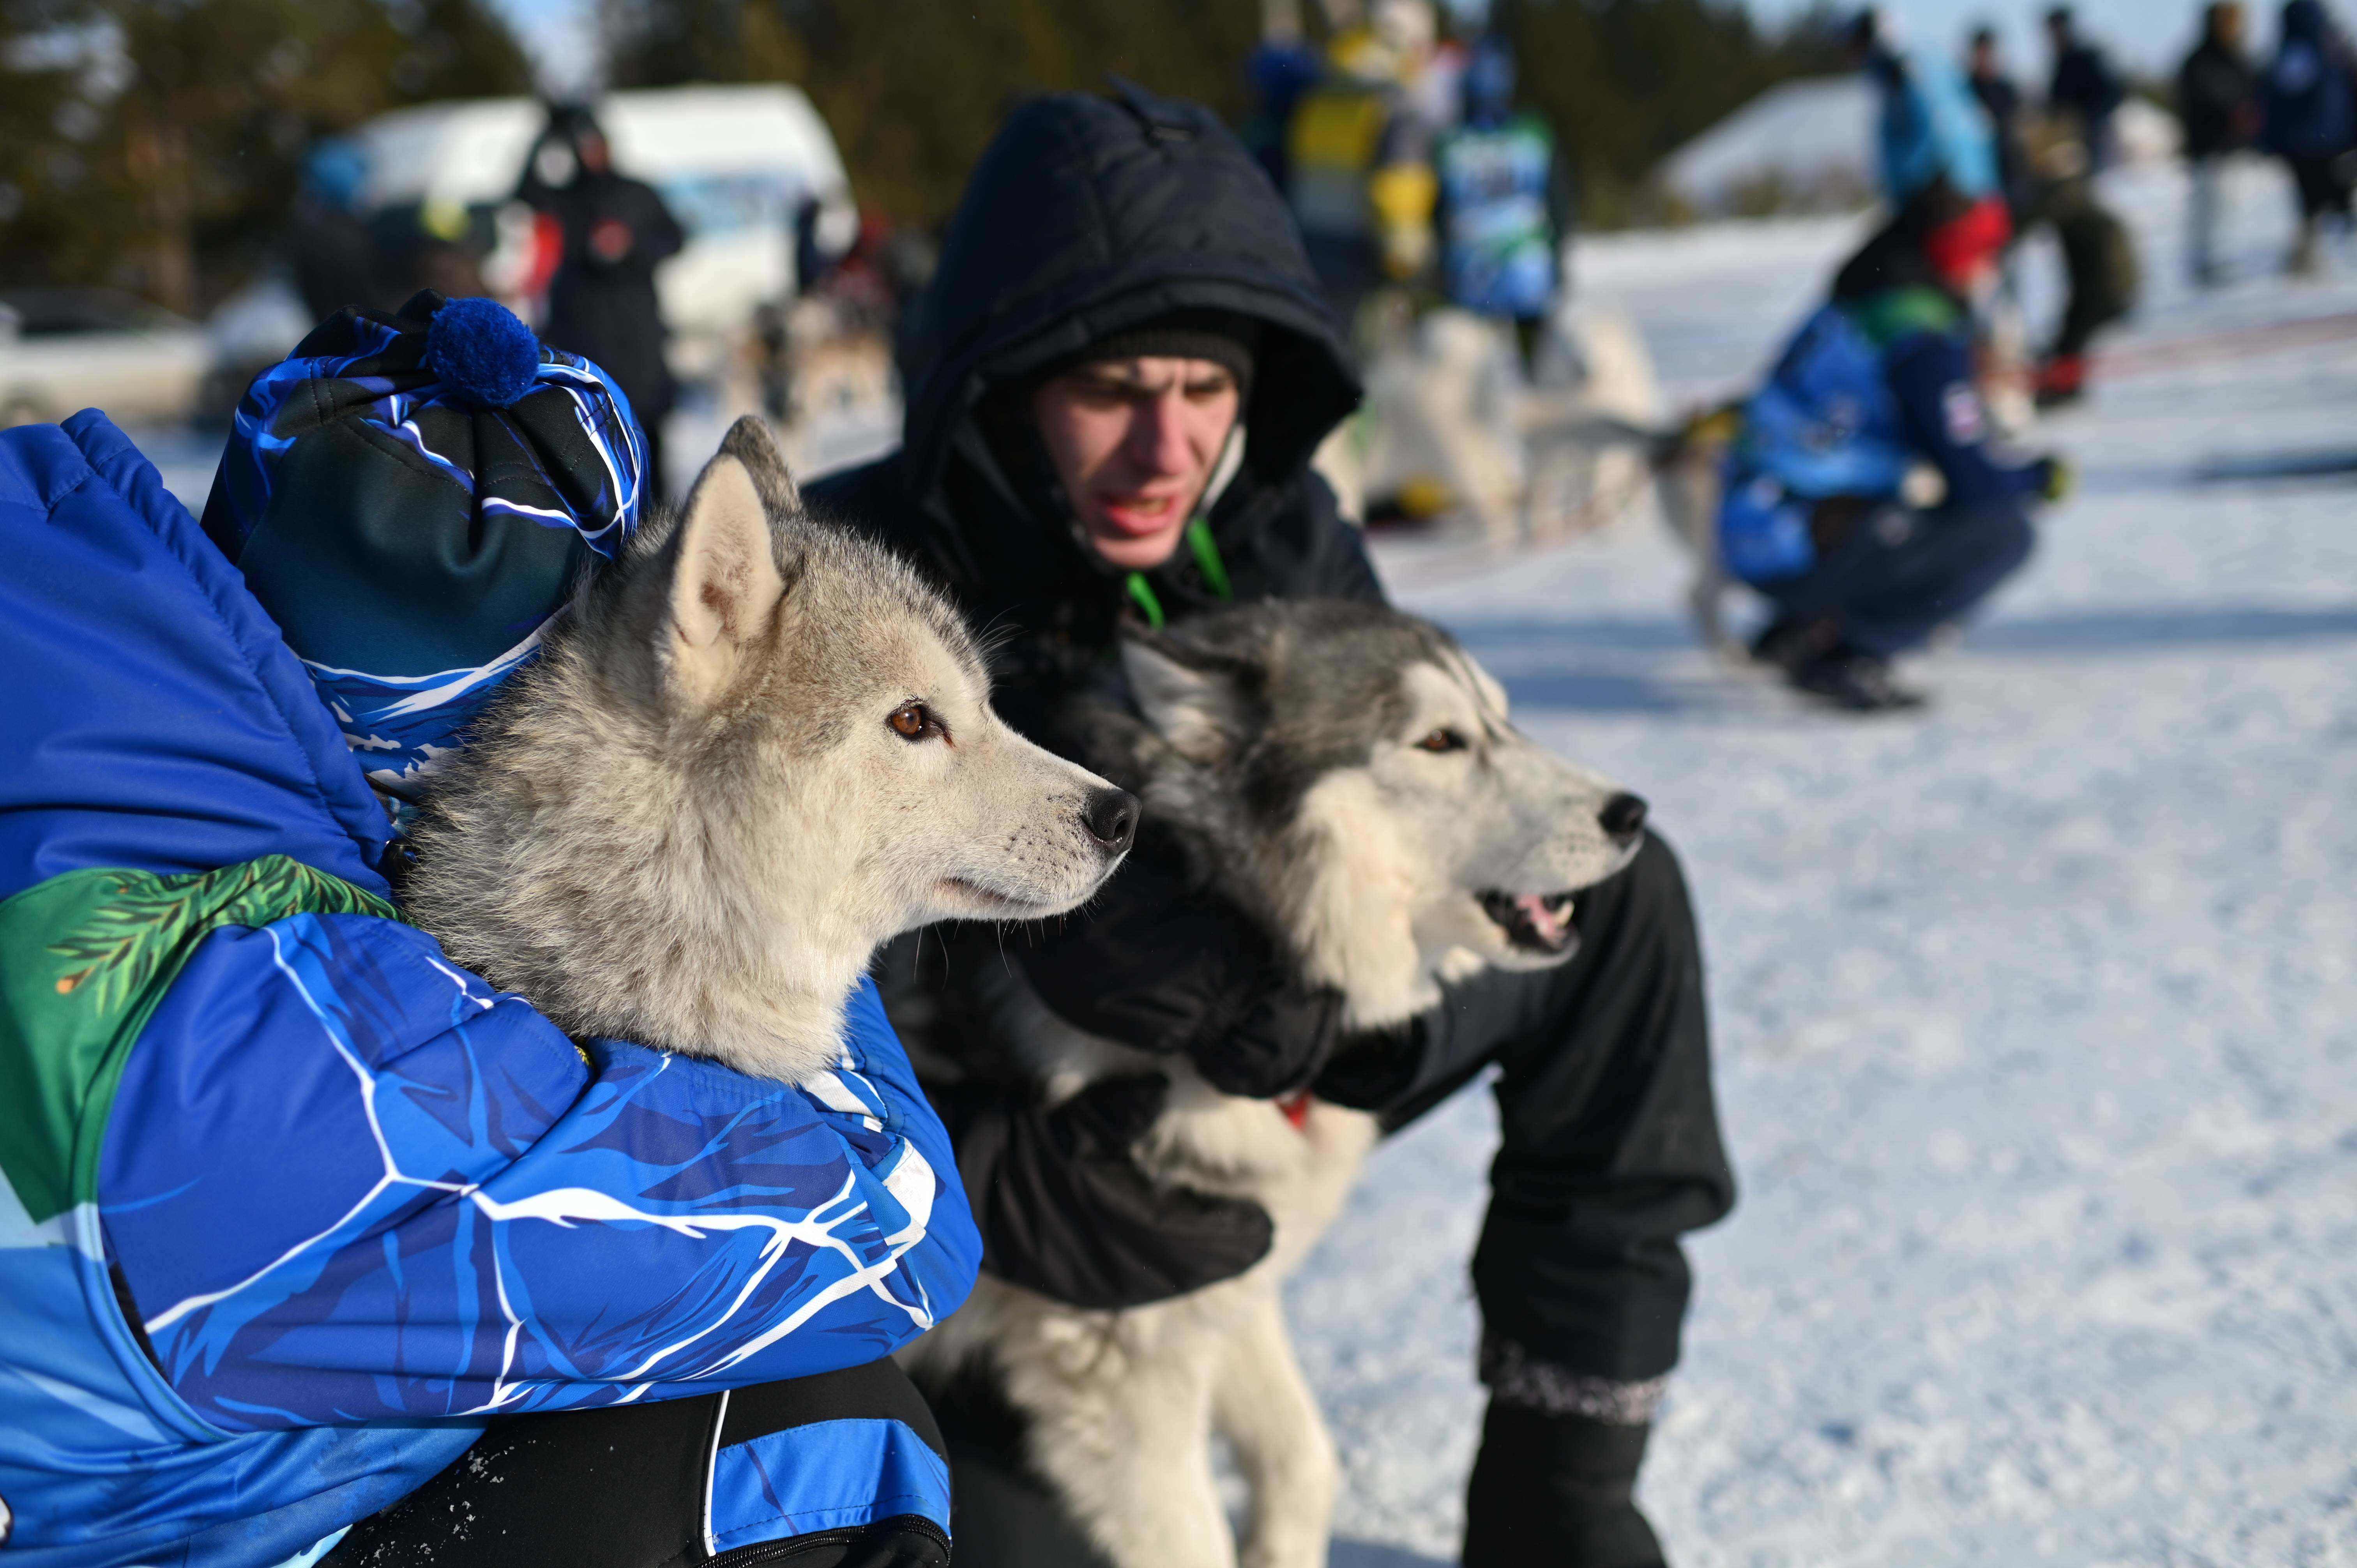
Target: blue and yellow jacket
{"points": [[293, 1204]]}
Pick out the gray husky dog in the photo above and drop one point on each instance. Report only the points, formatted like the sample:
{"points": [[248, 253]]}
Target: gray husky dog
{"points": [[1347, 775], [752, 750]]}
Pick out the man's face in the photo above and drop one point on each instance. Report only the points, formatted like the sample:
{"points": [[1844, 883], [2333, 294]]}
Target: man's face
{"points": [[1134, 442]]}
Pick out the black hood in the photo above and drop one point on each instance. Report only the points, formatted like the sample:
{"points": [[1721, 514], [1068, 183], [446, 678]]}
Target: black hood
{"points": [[1089, 215]]}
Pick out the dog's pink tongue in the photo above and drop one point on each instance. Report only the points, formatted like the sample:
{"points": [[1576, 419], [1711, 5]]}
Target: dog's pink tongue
{"points": [[1542, 919]]}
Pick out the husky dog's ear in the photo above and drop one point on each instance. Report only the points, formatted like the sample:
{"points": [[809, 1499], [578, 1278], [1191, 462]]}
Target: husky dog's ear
{"points": [[750, 442], [1198, 709], [725, 582]]}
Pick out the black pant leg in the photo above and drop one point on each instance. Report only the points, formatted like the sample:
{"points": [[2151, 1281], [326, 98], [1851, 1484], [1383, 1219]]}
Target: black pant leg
{"points": [[625, 1486], [1609, 1145], [1902, 575]]}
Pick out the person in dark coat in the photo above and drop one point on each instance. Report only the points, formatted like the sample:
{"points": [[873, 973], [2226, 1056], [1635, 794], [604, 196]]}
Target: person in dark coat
{"points": [[2308, 118], [1123, 265], [2085, 87], [336, 261], [2217, 102], [2001, 99], [601, 300], [2099, 258]]}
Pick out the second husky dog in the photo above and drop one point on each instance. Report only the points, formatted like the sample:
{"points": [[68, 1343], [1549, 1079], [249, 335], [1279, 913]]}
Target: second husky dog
{"points": [[1347, 775], [751, 751]]}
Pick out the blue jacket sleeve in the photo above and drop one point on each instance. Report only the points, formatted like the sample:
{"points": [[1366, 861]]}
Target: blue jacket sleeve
{"points": [[1931, 374], [346, 1181]]}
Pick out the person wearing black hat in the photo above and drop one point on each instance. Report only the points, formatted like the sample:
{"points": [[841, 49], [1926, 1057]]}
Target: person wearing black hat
{"points": [[1115, 383]]}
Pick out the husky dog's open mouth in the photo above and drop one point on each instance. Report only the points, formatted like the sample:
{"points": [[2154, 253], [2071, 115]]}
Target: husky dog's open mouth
{"points": [[1537, 923]]}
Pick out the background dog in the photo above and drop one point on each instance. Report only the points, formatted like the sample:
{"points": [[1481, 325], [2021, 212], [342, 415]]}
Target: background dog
{"points": [[1346, 774], [751, 751]]}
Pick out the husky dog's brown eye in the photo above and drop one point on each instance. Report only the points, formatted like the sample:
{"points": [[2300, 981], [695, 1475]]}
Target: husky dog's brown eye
{"points": [[910, 721], [1442, 739]]}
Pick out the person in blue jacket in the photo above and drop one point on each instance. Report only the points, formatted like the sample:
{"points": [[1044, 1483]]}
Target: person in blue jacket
{"points": [[2307, 106], [313, 1248], [1501, 205], [1930, 126], [1816, 515]]}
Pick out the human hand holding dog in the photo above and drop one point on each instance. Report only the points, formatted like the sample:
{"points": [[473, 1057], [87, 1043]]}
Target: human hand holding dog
{"points": [[1064, 1209], [1165, 966]]}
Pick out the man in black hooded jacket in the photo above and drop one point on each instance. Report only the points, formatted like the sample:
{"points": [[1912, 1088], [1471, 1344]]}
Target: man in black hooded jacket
{"points": [[1122, 263]]}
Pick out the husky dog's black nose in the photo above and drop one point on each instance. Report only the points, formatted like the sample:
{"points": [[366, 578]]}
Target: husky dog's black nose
{"points": [[1112, 819], [1623, 817]]}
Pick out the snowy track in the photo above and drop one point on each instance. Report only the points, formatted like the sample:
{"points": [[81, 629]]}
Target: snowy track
{"points": [[2037, 1014]]}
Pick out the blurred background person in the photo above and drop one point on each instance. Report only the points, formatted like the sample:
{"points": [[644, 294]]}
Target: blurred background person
{"points": [[2057, 156], [2085, 87], [1823, 512], [2000, 99], [2099, 263], [2217, 100], [1501, 206], [335, 252], [1358, 157], [2308, 118], [1281, 68], [1931, 129], [610, 230]]}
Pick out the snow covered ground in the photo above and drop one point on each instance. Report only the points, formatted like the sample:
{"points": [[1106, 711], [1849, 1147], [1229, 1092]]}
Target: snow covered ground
{"points": [[2035, 1012]]}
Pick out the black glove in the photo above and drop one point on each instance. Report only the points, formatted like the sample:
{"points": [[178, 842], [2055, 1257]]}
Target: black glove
{"points": [[1373, 1069], [1165, 966], [1064, 1209]]}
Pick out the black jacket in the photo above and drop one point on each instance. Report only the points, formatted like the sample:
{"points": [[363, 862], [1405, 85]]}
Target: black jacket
{"points": [[1087, 216], [604, 307], [2217, 99], [2085, 85]]}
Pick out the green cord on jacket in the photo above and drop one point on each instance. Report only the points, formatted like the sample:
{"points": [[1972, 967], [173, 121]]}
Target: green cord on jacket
{"points": [[1207, 560]]}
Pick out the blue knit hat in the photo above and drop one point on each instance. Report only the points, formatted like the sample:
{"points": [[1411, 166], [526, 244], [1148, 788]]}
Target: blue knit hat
{"points": [[410, 496]]}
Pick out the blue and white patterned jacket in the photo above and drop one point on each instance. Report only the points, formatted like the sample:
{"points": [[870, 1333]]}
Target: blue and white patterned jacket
{"points": [[336, 1201]]}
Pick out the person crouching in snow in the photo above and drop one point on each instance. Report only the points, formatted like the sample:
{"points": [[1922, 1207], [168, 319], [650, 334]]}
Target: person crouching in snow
{"points": [[1815, 513], [316, 1248]]}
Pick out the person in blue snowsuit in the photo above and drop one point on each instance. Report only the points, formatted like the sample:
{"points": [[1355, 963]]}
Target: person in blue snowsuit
{"points": [[1814, 514], [2308, 107], [1501, 205], [315, 1247]]}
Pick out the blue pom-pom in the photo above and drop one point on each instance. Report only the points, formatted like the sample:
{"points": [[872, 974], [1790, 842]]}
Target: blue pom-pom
{"points": [[480, 350]]}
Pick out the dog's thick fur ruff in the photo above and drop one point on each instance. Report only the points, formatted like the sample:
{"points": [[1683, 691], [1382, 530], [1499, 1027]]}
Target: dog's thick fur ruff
{"points": [[750, 751], [1347, 774]]}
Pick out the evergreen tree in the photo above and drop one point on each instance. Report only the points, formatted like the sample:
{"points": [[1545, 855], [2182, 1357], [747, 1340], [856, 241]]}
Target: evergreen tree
{"points": [[1625, 82], [663, 43], [913, 90], [155, 145]]}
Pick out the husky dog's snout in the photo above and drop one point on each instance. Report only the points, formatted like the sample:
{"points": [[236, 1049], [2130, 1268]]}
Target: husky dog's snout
{"points": [[1111, 819], [1623, 818]]}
